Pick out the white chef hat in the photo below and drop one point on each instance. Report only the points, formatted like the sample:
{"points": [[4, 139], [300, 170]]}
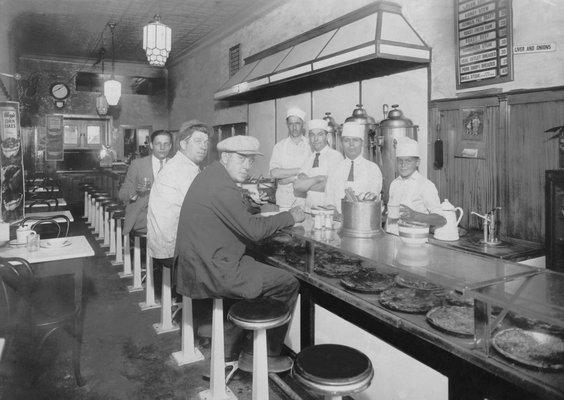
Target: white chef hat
{"points": [[407, 147], [317, 124], [296, 112], [353, 129]]}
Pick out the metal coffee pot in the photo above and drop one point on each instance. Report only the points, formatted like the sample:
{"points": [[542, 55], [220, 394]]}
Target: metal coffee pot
{"points": [[449, 231]]}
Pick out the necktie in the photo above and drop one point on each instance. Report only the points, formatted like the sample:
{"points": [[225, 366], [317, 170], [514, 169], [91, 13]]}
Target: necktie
{"points": [[316, 160], [351, 173], [161, 166]]}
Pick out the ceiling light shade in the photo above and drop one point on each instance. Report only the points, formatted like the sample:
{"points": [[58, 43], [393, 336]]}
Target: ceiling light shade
{"points": [[156, 42], [112, 91]]}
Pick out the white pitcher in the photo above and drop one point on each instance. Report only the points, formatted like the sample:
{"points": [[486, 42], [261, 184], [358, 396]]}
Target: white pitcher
{"points": [[449, 231]]}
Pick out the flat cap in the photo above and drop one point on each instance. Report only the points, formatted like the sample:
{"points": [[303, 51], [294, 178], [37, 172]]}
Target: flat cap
{"points": [[241, 144]]}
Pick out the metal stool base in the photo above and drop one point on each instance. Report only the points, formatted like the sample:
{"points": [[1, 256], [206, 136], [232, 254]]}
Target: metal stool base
{"points": [[132, 289], [207, 395], [159, 329], [123, 276], [180, 358], [144, 306]]}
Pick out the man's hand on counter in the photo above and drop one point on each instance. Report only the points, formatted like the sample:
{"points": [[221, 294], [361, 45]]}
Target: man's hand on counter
{"points": [[298, 214]]}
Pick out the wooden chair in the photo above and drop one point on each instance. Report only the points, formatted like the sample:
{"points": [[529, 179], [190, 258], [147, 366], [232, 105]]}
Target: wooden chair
{"points": [[41, 316]]}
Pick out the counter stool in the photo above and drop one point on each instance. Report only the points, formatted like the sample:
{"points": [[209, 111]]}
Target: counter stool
{"points": [[102, 204], [83, 187], [137, 282], [259, 315], [112, 209], [89, 193], [167, 324], [150, 301], [107, 222], [218, 389], [123, 253], [333, 370], [98, 197], [189, 353]]}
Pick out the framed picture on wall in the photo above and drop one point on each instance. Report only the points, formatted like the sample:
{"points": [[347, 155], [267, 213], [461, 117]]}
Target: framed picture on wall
{"points": [[472, 123]]}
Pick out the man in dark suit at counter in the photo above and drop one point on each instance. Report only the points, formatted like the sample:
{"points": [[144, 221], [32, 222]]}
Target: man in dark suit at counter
{"points": [[134, 191], [213, 230]]}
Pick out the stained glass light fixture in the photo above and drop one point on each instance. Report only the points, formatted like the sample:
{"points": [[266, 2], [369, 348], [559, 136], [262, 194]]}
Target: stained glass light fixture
{"points": [[112, 87], [156, 42]]}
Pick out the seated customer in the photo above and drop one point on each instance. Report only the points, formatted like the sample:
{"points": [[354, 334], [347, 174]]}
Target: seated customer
{"points": [[168, 192], [413, 198], [355, 171], [310, 183], [213, 231]]}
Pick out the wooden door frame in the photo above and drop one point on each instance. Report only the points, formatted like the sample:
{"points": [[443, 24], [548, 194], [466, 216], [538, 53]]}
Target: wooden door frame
{"points": [[108, 119]]}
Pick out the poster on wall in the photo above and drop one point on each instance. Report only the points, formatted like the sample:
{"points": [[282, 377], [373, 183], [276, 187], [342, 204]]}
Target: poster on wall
{"points": [[483, 31], [11, 162], [54, 148]]}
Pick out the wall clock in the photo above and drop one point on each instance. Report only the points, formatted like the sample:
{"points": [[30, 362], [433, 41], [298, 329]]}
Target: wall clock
{"points": [[60, 91]]}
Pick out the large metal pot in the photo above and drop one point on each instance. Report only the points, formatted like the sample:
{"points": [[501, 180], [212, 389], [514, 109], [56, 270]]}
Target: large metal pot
{"points": [[361, 219], [360, 116], [333, 134], [389, 130]]}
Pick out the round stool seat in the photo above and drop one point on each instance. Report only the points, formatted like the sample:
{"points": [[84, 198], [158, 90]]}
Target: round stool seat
{"points": [[105, 202], [102, 198], [333, 369], [259, 314], [84, 186], [114, 207], [120, 214], [98, 195], [139, 232]]}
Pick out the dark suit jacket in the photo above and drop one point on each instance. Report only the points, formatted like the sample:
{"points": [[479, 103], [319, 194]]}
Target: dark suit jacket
{"points": [[136, 211], [213, 228]]}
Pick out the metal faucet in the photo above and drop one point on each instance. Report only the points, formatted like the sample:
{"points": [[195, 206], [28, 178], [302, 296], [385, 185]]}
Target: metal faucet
{"points": [[490, 226]]}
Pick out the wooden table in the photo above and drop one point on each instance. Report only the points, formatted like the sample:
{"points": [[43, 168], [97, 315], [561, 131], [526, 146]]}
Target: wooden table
{"points": [[58, 261]]}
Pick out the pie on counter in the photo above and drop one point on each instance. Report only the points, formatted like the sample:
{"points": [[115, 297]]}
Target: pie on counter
{"points": [[415, 301], [532, 348], [414, 283], [367, 281], [455, 320], [534, 324], [456, 299], [335, 269]]}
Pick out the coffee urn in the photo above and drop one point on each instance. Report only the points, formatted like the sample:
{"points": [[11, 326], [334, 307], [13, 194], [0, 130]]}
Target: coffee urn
{"points": [[333, 134], [360, 116], [390, 129]]}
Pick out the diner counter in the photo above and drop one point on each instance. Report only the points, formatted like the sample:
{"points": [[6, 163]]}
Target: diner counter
{"points": [[448, 267]]}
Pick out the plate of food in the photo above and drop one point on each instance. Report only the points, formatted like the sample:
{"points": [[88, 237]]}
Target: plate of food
{"points": [[409, 300], [413, 283], [55, 243], [529, 323], [456, 320], [531, 348], [367, 280], [336, 269], [454, 298]]}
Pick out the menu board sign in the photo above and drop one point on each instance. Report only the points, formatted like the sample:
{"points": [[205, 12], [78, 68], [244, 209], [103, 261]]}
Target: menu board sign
{"points": [[483, 42]]}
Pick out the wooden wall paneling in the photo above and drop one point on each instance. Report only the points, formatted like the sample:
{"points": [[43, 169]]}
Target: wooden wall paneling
{"points": [[528, 155]]}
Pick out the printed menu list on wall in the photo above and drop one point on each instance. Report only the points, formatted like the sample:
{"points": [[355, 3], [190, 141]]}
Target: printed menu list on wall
{"points": [[483, 42]]}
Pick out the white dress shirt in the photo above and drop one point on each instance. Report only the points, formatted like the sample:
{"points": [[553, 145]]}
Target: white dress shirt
{"points": [[416, 192], [288, 154], [166, 198], [157, 165], [329, 159], [367, 178]]}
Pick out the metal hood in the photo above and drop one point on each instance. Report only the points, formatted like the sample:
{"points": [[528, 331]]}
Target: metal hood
{"points": [[374, 40]]}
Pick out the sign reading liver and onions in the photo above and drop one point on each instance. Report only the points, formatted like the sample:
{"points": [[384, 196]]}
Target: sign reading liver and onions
{"points": [[11, 163], [483, 42]]}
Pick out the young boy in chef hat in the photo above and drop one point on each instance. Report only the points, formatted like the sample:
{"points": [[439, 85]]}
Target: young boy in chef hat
{"points": [[413, 198]]}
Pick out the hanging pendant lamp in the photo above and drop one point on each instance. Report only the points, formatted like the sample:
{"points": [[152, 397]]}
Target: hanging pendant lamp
{"points": [[112, 88], [156, 42]]}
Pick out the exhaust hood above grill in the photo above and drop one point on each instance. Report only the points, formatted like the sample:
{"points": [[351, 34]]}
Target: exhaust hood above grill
{"points": [[375, 40]]}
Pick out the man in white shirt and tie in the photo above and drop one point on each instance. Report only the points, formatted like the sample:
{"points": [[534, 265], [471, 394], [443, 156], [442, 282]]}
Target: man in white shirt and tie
{"points": [[310, 183], [288, 156], [355, 171]]}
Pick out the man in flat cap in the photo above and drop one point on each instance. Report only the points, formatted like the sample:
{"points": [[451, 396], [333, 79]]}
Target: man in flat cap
{"points": [[288, 156], [213, 230], [355, 171], [413, 198], [311, 180]]}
